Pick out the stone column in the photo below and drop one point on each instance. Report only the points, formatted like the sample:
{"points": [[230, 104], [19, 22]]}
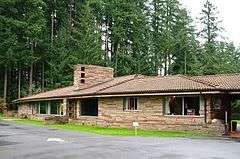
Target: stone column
{"points": [[208, 109], [64, 106], [201, 106], [78, 107]]}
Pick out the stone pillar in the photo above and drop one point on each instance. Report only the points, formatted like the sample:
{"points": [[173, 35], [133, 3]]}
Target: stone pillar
{"points": [[201, 106], [78, 108], [208, 109], [64, 106]]}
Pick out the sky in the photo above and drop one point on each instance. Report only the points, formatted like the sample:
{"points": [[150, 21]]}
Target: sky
{"points": [[229, 14]]}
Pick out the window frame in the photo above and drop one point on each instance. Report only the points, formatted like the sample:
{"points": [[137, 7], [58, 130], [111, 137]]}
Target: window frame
{"points": [[48, 108], [58, 105], [39, 108], [166, 106], [126, 101]]}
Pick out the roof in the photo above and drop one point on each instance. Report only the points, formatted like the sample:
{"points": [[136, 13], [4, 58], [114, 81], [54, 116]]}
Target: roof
{"points": [[158, 84], [146, 84], [224, 81], [74, 91]]}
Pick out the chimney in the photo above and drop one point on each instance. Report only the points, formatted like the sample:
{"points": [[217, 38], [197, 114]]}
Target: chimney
{"points": [[89, 75]]}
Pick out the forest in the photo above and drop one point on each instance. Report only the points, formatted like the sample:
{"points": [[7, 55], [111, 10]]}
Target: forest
{"points": [[41, 41]]}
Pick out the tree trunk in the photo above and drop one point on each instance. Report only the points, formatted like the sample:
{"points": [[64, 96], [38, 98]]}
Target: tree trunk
{"points": [[19, 83], [116, 45], [43, 77], [30, 79], [5, 86], [165, 65], [169, 64], [52, 27], [31, 74]]}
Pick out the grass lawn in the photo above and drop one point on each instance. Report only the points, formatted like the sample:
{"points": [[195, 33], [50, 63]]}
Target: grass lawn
{"points": [[111, 131], [126, 132]]}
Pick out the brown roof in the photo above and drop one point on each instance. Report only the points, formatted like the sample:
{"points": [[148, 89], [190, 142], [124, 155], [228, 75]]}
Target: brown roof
{"points": [[147, 84], [158, 84], [74, 91], [224, 81]]}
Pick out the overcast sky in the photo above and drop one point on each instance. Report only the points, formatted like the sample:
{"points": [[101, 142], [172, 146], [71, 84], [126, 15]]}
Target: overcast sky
{"points": [[229, 13]]}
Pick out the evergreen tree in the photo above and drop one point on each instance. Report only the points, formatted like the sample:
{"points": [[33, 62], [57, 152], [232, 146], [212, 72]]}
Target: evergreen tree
{"points": [[210, 32]]}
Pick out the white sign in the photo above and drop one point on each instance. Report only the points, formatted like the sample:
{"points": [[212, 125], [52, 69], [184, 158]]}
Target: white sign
{"points": [[135, 124]]}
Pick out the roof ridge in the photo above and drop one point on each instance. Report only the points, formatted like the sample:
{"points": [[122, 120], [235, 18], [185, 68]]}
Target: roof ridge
{"points": [[124, 81], [217, 75], [199, 81]]}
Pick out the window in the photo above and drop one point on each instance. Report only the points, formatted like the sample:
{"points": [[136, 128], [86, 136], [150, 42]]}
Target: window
{"points": [[89, 107], [43, 107], [55, 107], [49, 107], [82, 75], [82, 81], [82, 68], [130, 103], [175, 105]]}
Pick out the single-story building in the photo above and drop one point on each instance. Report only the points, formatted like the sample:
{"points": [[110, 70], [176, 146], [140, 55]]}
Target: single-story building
{"points": [[175, 102]]}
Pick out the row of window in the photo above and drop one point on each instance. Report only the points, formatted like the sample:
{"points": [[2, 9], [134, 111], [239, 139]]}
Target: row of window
{"points": [[173, 105], [53, 107]]}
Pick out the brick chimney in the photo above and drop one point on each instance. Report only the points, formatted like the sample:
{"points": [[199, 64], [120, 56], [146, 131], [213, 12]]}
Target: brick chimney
{"points": [[89, 75]]}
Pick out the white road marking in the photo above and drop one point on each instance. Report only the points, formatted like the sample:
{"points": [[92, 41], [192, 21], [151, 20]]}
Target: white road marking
{"points": [[55, 140]]}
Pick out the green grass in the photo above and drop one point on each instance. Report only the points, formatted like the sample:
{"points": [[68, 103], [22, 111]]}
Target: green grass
{"points": [[126, 132], [112, 131]]}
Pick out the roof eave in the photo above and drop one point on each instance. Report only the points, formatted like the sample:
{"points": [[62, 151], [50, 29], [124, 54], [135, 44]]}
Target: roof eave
{"points": [[118, 94]]}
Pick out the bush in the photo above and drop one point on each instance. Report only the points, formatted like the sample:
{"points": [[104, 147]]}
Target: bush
{"points": [[2, 108]]}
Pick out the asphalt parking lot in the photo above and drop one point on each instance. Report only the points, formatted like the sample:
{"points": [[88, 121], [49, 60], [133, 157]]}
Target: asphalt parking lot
{"points": [[32, 142]]}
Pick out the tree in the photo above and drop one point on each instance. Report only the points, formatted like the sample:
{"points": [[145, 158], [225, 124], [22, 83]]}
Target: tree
{"points": [[210, 33]]}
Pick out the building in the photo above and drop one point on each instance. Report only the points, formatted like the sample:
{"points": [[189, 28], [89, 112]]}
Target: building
{"points": [[175, 102]]}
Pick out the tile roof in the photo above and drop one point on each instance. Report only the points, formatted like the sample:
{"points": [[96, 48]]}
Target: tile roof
{"points": [[157, 84], [74, 91], [147, 84], [223, 81]]}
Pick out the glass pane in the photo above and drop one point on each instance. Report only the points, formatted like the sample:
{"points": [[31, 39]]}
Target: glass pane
{"points": [[191, 105], [43, 108], [132, 103], [175, 105], [55, 107]]}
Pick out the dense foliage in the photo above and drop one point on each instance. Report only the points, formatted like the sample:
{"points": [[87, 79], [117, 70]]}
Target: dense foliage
{"points": [[41, 40]]}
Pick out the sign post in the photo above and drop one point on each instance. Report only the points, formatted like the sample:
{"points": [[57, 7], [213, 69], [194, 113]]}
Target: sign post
{"points": [[135, 125]]}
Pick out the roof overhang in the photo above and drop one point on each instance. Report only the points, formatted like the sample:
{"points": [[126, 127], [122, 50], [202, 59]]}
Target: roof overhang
{"points": [[121, 95], [235, 92]]}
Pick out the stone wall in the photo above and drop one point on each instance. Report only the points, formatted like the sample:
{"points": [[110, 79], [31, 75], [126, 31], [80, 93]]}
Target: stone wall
{"points": [[29, 110], [87, 75], [149, 115]]}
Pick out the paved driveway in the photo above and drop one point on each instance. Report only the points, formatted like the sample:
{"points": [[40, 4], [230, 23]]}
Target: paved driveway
{"points": [[32, 142]]}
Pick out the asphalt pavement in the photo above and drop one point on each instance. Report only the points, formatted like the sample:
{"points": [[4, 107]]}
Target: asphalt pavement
{"points": [[33, 142]]}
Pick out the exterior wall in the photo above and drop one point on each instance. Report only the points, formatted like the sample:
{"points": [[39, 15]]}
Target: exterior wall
{"points": [[27, 110], [150, 115]]}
